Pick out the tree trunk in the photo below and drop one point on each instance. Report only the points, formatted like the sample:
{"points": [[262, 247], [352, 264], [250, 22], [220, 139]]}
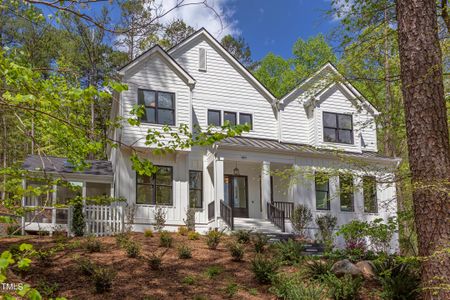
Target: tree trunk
{"points": [[428, 141]]}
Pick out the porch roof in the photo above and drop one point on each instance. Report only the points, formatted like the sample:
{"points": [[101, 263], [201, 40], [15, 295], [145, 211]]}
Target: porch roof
{"points": [[267, 145], [60, 165]]}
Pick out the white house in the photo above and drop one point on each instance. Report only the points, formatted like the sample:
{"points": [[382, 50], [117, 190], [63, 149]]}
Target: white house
{"points": [[323, 126]]}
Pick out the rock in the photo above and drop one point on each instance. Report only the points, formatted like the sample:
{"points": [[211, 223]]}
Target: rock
{"points": [[343, 267], [367, 269]]}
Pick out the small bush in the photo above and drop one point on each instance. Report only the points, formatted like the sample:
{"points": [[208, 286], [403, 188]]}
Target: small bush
{"points": [[133, 249], [316, 268], [103, 278], [242, 236], [286, 286], [236, 250], [122, 239], [184, 252], [44, 258], [165, 239], [92, 245], [213, 238], [190, 219], [78, 222], [155, 262], [160, 216], [183, 230], [260, 242], [13, 230], [86, 266], [47, 289], [189, 280], [213, 271], [344, 288], [301, 217], [148, 232], [326, 224], [231, 289], [289, 252], [264, 268], [192, 235]]}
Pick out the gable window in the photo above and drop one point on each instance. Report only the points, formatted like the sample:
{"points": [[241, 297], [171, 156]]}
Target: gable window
{"points": [[156, 189], [195, 189], [370, 194], [346, 192], [230, 117], [246, 119], [159, 107], [214, 117], [337, 128], [322, 191]]}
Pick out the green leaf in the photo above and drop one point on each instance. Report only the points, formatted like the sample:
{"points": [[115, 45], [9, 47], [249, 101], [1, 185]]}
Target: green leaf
{"points": [[25, 247]]}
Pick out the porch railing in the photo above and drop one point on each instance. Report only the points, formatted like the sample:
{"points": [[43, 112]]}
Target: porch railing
{"points": [[211, 211], [287, 207], [226, 212], [276, 216]]}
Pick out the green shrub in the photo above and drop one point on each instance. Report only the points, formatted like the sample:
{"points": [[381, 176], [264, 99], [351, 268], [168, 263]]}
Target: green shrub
{"points": [[148, 232], [92, 245], [286, 286], [260, 242], [160, 216], [78, 222], [44, 258], [213, 238], [343, 288], [190, 219], [316, 268], [165, 239], [289, 252], [301, 217], [326, 224], [184, 252], [242, 236], [264, 268], [133, 249], [103, 278], [122, 239], [13, 230], [155, 262], [189, 280], [47, 289], [213, 271], [231, 289], [192, 235], [86, 266], [183, 230], [236, 250]]}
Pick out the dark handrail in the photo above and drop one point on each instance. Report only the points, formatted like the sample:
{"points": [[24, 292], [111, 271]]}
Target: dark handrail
{"points": [[276, 216], [226, 212], [287, 207], [211, 209]]}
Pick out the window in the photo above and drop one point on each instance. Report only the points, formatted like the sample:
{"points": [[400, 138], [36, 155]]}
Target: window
{"points": [[230, 117], [214, 117], [202, 59], [246, 119], [155, 189], [346, 192], [195, 189], [322, 191], [159, 107], [370, 194], [337, 128]]}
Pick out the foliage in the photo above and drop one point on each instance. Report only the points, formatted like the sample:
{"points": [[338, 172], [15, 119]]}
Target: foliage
{"points": [[289, 252], [242, 236], [165, 239], [103, 278], [47, 289], [286, 286], [213, 271], [155, 261], [326, 224], [184, 252], [160, 216], [344, 288], [192, 235], [316, 268], [133, 249], [264, 268], [44, 257], [238, 48], [354, 234], [301, 217], [86, 266], [183, 230], [260, 241], [237, 251], [213, 238], [122, 238], [78, 224], [148, 232], [189, 280], [231, 289], [93, 244], [190, 219]]}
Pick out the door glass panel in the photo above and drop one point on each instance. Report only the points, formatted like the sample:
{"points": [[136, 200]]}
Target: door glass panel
{"points": [[240, 195], [226, 190]]}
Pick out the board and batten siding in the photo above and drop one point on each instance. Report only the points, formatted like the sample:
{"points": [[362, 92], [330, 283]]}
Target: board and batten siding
{"points": [[153, 74], [222, 87]]}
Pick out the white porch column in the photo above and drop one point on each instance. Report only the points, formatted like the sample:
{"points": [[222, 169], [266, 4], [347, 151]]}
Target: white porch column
{"points": [[218, 187], [265, 187]]}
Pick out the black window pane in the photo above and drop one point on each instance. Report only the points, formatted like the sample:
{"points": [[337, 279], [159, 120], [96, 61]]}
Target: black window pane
{"points": [[195, 180], [321, 200], [246, 119], [230, 117], [165, 100], [149, 98], [164, 176], [329, 135], [345, 121], [345, 136], [214, 117], [164, 195], [150, 115], [370, 194], [144, 179], [144, 194], [195, 198], [166, 117], [329, 120]]}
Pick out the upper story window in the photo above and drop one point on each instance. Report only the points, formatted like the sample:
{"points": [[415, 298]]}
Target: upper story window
{"points": [[195, 189], [322, 191], [159, 107], [370, 194], [230, 117], [156, 189], [246, 119], [346, 192], [337, 128], [214, 117]]}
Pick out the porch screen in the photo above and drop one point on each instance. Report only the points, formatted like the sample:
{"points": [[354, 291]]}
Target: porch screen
{"points": [[346, 192], [155, 189]]}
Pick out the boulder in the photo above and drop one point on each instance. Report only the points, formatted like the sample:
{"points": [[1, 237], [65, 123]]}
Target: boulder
{"points": [[343, 267], [367, 269]]}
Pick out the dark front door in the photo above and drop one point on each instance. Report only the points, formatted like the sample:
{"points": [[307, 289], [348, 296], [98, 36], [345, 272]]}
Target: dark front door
{"points": [[236, 195]]}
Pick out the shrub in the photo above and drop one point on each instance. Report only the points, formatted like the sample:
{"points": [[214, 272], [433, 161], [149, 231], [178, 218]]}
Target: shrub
{"points": [[122, 239], [86, 266], [160, 216], [289, 252], [354, 235], [190, 219], [155, 261], [231, 289], [103, 278], [264, 268], [44, 258], [236, 250], [286, 286], [78, 222], [316, 268], [301, 217], [344, 288], [380, 234], [213, 238], [92, 245], [326, 224], [133, 249], [183, 230], [260, 242], [242, 236], [165, 239], [13, 230], [213, 271], [184, 252], [192, 235], [47, 289], [189, 280], [148, 232]]}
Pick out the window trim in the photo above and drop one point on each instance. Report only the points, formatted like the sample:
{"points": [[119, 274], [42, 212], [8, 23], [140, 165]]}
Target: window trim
{"points": [[196, 189], [251, 119], [327, 191], [220, 116], [337, 128], [352, 194], [157, 108], [375, 195], [155, 185], [235, 117]]}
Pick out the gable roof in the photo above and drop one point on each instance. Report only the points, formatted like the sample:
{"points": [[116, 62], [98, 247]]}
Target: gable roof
{"points": [[202, 32], [343, 82], [157, 49]]}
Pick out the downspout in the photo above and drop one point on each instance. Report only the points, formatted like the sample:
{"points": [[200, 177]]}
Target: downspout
{"points": [[278, 112]]}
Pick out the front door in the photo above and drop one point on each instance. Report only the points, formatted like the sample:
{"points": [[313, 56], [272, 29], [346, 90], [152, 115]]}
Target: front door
{"points": [[236, 195]]}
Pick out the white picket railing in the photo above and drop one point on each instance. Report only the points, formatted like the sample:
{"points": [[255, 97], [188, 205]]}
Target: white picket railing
{"points": [[103, 220]]}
